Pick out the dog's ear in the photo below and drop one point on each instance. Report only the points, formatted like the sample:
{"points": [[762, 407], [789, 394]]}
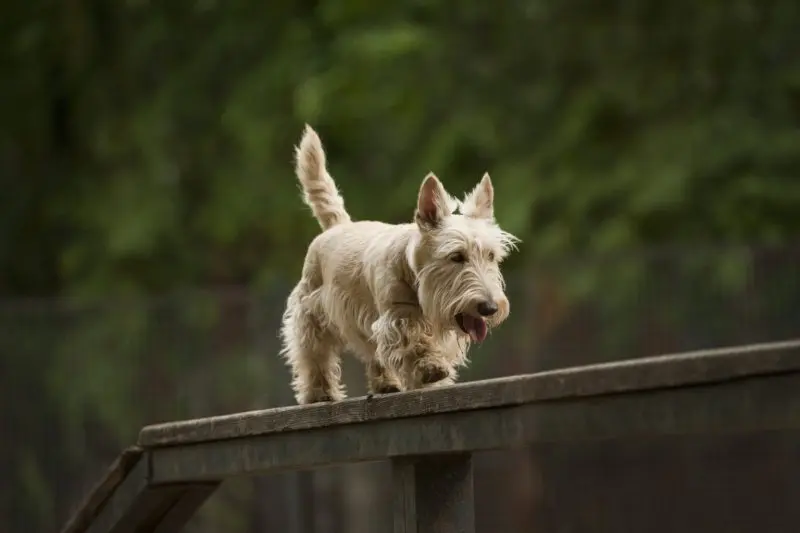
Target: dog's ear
{"points": [[480, 202], [432, 203]]}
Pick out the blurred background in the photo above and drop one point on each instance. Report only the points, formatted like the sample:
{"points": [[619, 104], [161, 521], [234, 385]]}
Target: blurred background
{"points": [[646, 152]]}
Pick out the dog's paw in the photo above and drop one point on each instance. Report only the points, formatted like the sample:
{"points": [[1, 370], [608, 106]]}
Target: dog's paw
{"points": [[387, 389], [428, 374], [317, 397], [323, 398]]}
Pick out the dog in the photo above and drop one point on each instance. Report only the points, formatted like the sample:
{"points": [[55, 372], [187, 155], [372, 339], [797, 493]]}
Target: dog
{"points": [[407, 299]]}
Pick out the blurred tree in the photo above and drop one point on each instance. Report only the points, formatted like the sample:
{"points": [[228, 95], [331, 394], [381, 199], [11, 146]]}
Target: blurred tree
{"points": [[149, 146]]}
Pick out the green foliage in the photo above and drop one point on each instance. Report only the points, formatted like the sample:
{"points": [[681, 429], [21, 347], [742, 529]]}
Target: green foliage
{"points": [[152, 145]]}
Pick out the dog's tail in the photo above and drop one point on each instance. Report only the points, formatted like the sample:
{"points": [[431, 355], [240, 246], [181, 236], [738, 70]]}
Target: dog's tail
{"points": [[319, 189]]}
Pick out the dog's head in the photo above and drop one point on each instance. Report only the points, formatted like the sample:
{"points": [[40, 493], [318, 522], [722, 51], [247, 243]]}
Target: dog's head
{"points": [[457, 259]]}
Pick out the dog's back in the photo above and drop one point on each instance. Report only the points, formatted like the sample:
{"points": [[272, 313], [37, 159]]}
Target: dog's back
{"points": [[347, 263], [344, 263]]}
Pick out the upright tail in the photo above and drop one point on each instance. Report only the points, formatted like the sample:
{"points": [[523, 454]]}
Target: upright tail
{"points": [[319, 190]]}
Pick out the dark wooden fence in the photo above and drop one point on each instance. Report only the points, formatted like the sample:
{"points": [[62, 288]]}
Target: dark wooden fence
{"points": [[429, 436]]}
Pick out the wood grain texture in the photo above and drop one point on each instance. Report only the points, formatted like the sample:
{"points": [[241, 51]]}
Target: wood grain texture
{"points": [[693, 368], [759, 403]]}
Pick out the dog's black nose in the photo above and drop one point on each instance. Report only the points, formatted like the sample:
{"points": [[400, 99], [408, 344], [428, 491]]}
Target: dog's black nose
{"points": [[487, 308]]}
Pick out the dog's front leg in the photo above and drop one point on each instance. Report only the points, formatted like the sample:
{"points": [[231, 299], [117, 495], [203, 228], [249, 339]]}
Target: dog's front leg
{"points": [[429, 369], [406, 344]]}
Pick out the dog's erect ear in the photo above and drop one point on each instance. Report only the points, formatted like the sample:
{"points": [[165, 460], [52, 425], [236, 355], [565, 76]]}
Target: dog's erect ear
{"points": [[480, 202], [432, 203]]}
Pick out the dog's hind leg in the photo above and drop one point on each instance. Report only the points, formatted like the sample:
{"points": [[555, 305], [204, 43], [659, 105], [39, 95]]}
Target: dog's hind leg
{"points": [[311, 349]]}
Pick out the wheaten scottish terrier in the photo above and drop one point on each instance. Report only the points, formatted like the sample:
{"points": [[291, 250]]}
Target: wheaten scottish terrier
{"points": [[407, 299]]}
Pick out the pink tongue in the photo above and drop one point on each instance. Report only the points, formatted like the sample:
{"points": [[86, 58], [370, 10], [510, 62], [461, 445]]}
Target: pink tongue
{"points": [[476, 327]]}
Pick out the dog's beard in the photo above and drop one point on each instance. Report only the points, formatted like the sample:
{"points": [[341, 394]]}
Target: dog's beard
{"points": [[448, 303]]}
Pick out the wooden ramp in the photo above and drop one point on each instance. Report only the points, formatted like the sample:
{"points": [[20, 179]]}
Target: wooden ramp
{"points": [[429, 436]]}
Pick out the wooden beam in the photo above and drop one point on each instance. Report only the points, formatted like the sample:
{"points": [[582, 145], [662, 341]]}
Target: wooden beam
{"points": [[125, 501], [153, 509], [637, 375], [434, 494], [190, 499], [430, 435], [761, 402], [90, 507]]}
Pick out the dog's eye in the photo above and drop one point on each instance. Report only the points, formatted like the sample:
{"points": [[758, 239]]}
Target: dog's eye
{"points": [[491, 256], [458, 257]]}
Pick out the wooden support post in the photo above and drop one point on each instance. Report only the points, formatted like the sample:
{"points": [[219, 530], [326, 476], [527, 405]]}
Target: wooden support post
{"points": [[434, 494]]}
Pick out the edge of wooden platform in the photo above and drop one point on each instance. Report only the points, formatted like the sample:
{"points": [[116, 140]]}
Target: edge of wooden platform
{"points": [[666, 371]]}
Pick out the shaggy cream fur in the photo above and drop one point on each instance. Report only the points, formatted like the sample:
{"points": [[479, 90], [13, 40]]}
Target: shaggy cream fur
{"points": [[406, 299]]}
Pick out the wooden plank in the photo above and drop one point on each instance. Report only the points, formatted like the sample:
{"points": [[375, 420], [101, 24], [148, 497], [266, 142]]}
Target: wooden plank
{"points": [[706, 366], [189, 501], [404, 498], [734, 406], [122, 499], [136, 506], [90, 507], [143, 513], [434, 494], [153, 509]]}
